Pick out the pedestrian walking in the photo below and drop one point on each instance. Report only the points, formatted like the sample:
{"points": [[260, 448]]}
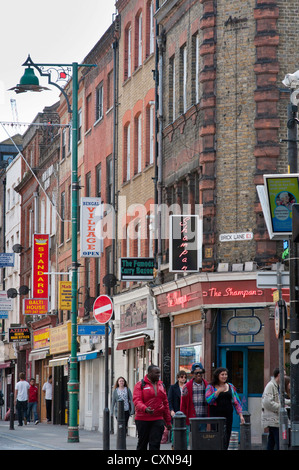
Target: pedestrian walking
{"points": [[175, 392], [21, 398], [222, 397], [193, 402], [122, 392], [47, 389], [151, 410], [270, 410], [32, 401]]}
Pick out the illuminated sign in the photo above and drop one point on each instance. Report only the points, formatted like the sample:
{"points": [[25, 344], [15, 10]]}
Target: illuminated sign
{"points": [[185, 243], [18, 335], [40, 266]]}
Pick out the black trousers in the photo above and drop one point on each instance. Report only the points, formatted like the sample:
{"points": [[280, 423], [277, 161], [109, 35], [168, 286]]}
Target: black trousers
{"points": [[149, 434], [21, 407], [49, 409]]}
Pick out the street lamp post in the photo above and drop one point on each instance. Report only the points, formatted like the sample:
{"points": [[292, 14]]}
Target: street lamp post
{"points": [[292, 82], [29, 82]]}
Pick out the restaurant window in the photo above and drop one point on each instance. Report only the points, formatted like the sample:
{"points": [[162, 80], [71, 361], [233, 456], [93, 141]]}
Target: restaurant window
{"points": [[188, 346]]}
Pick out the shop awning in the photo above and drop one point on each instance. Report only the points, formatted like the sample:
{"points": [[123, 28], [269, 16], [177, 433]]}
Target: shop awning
{"points": [[60, 361], [5, 365], [38, 354], [89, 355], [130, 343]]}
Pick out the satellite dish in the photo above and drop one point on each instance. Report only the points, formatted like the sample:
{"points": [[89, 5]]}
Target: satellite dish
{"points": [[12, 293], [23, 290], [17, 248], [109, 280]]}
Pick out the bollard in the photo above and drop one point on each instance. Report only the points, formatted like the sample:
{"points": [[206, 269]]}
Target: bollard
{"points": [[121, 426], [12, 412], [179, 431], [245, 432]]}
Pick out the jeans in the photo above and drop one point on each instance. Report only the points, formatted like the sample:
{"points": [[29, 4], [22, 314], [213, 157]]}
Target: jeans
{"points": [[149, 433], [21, 408], [32, 408], [273, 438]]}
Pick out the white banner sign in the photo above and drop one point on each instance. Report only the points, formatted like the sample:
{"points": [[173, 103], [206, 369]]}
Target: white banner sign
{"points": [[91, 214]]}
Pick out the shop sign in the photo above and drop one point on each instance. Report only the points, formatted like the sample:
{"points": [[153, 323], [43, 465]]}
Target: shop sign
{"points": [[41, 338], [40, 266], [65, 295], [247, 325], [133, 316], [5, 302], [35, 306], [60, 339], [7, 260], [91, 214], [136, 269], [19, 335], [185, 243]]}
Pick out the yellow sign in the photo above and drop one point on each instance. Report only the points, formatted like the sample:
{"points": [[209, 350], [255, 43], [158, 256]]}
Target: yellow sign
{"points": [[60, 338], [65, 295], [275, 296]]}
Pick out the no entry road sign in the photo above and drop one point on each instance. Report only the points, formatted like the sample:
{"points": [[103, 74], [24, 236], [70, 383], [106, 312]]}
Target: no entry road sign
{"points": [[103, 309]]}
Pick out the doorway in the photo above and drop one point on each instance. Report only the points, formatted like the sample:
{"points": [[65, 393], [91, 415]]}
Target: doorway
{"points": [[246, 372]]}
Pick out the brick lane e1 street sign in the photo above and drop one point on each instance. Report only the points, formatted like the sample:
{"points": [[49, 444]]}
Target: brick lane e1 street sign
{"points": [[103, 309]]}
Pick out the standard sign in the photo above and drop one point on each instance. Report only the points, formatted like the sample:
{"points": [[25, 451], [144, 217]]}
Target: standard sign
{"points": [[137, 269], [102, 309], [236, 237]]}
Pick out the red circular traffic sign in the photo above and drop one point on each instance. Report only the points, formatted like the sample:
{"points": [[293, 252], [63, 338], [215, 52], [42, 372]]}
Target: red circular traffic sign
{"points": [[103, 309]]}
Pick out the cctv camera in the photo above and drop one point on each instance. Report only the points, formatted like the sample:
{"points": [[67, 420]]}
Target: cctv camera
{"points": [[291, 80]]}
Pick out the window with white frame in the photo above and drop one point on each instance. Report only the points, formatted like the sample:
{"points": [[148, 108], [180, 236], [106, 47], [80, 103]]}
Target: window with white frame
{"points": [[152, 28], [128, 152], [151, 133], [99, 102], [139, 40], [188, 344], [183, 79], [139, 143]]}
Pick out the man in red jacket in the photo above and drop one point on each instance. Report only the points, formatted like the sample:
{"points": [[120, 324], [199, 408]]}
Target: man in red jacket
{"points": [[32, 401], [193, 400], [151, 410]]}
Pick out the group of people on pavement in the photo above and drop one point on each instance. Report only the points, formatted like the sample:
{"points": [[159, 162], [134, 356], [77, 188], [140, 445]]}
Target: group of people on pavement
{"points": [[26, 399], [154, 408]]}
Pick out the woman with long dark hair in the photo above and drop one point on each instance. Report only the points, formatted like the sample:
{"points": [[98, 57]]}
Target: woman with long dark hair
{"points": [[122, 392], [223, 398]]}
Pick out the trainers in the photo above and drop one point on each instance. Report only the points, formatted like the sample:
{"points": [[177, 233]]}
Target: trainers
{"points": [[36, 422]]}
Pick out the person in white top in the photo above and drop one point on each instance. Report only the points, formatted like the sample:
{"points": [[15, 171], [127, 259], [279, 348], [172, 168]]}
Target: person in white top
{"points": [[47, 389], [21, 398]]}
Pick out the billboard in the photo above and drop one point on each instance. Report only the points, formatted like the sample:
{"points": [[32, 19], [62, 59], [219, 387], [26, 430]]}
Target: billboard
{"points": [[281, 192]]}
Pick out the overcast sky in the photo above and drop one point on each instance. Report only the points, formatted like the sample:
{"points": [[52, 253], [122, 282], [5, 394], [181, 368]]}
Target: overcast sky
{"points": [[59, 31]]}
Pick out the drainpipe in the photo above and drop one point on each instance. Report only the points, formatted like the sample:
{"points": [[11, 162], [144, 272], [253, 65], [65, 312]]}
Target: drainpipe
{"points": [[160, 44]]}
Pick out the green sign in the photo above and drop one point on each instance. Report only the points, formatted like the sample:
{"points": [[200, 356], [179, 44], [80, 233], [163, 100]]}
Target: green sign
{"points": [[136, 269]]}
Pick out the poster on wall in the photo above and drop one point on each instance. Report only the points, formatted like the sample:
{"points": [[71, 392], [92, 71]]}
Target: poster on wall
{"points": [[40, 266], [282, 191], [185, 243]]}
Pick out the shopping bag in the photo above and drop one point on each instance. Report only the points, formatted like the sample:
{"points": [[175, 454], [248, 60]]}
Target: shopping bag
{"points": [[165, 435]]}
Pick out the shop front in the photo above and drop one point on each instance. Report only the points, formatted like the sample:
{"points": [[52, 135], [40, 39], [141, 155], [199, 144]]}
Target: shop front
{"points": [[222, 321], [136, 337], [60, 347]]}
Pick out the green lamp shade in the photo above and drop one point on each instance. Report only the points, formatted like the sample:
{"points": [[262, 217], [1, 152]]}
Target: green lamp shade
{"points": [[29, 78]]}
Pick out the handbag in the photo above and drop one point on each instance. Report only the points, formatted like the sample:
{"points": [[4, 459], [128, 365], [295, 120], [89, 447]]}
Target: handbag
{"points": [[165, 436]]}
